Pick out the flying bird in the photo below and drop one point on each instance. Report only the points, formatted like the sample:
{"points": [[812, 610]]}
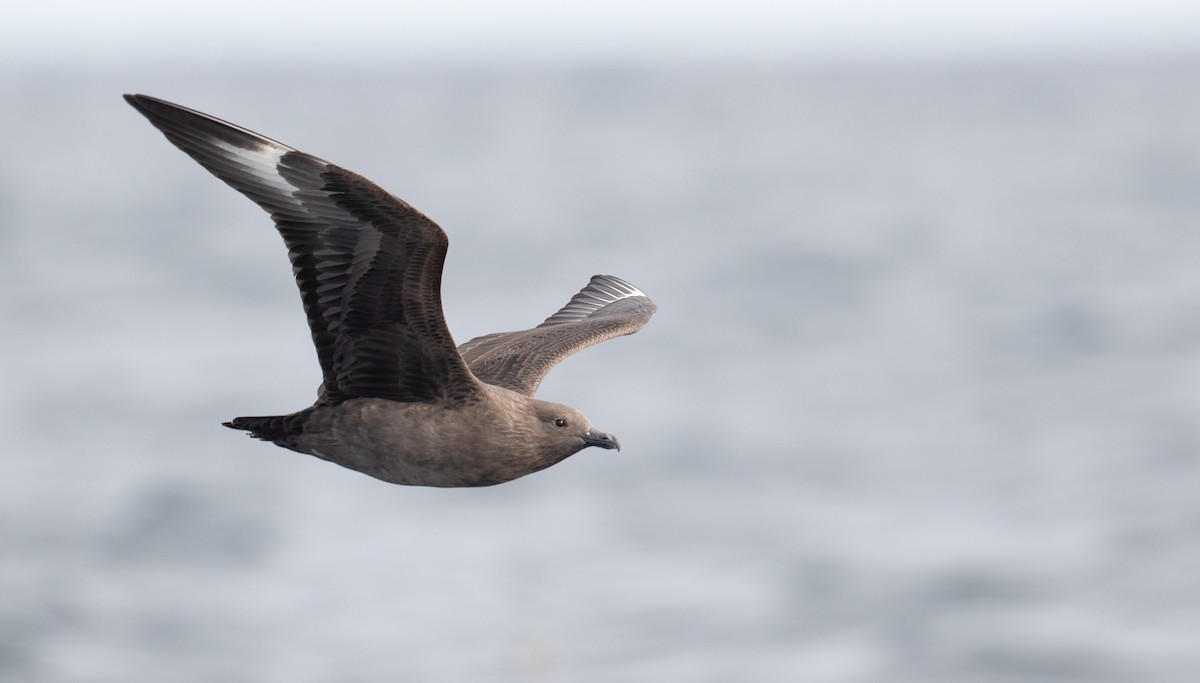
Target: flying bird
{"points": [[398, 400]]}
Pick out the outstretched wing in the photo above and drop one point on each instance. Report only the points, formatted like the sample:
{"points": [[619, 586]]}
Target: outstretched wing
{"points": [[607, 307], [369, 266]]}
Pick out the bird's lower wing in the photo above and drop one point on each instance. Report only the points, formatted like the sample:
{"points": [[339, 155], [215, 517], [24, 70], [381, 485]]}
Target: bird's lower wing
{"points": [[607, 307]]}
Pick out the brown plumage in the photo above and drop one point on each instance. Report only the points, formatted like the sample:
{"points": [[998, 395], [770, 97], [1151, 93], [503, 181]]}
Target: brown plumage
{"points": [[398, 400]]}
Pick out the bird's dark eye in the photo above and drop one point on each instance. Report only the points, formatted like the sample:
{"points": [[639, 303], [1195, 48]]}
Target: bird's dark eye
{"points": [[559, 422]]}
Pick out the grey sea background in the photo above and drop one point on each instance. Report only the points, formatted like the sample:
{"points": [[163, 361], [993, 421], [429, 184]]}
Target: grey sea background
{"points": [[919, 404]]}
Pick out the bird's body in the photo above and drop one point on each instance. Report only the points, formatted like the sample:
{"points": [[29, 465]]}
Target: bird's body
{"points": [[399, 401], [483, 443]]}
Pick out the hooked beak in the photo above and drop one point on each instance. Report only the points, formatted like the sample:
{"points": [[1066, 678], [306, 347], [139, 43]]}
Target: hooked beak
{"points": [[601, 440]]}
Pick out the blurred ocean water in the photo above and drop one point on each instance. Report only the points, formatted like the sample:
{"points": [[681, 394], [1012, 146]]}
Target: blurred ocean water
{"points": [[918, 405]]}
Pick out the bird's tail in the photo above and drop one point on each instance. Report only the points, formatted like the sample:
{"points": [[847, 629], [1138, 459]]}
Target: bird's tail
{"points": [[274, 428]]}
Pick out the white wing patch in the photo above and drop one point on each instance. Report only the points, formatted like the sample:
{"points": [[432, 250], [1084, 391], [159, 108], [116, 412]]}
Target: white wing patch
{"points": [[262, 162]]}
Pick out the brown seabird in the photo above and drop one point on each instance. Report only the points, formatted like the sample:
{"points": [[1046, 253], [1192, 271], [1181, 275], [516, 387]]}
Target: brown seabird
{"points": [[398, 400]]}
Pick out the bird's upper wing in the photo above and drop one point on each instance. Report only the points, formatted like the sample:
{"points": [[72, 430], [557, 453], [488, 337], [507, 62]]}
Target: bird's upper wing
{"points": [[369, 266], [607, 307]]}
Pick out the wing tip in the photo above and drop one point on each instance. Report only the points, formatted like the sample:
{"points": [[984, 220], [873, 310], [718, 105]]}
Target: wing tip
{"points": [[140, 102], [600, 292], [150, 106], [624, 287], [183, 125]]}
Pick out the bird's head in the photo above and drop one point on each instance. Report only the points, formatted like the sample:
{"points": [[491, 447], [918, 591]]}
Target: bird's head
{"points": [[570, 429]]}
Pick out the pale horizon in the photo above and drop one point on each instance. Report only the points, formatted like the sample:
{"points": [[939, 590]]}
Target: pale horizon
{"points": [[139, 32]]}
